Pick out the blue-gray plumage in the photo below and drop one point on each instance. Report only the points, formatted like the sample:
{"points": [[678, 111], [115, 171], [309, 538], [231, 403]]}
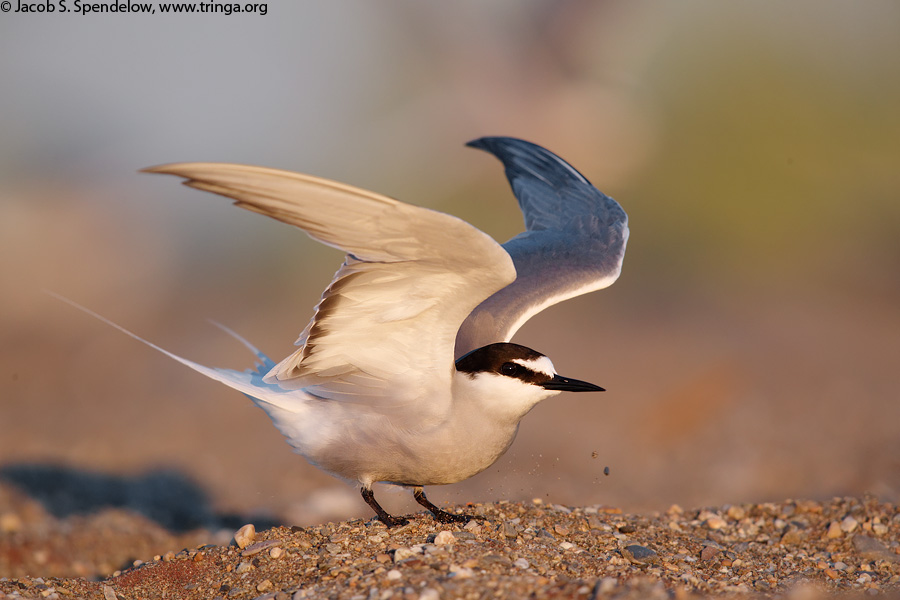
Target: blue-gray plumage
{"points": [[574, 241]]}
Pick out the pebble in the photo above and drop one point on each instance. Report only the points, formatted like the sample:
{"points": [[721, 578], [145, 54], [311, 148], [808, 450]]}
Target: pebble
{"points": [[736, 512], [521, 563], [244, 567], [244, 536], [276, 552], [259, 547], [444, 538], [716, 522], [404, 553], [793, 537], [871, 549], [430, 594], [640, 555], [849, 524], [509, 531], [606, 586], [709, 553], [394, 575], [461, 572], [834, 530]]}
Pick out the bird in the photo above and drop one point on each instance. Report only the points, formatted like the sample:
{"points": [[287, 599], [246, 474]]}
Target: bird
{"points": [[405, 373]]}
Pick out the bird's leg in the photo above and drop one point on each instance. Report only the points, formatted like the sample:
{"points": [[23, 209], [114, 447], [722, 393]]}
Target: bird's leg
{"points": [[387, 519], [441, 516]]}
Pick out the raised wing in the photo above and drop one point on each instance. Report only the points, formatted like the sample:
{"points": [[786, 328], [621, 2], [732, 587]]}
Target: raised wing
{"points": [[574, 241], [387, 323]]}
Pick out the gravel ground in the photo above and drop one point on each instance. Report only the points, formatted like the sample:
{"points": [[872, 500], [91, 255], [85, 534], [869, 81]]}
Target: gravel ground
{"points": [[801, 549]]}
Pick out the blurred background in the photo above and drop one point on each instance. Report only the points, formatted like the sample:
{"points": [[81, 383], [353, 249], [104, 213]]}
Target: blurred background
{"points": [[751, 348]]}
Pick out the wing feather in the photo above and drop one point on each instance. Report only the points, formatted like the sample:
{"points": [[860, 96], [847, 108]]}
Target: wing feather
{"points": [[388, 321], [574, 241]]}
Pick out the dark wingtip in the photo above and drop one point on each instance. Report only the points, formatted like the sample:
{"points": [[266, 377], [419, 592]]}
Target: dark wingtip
{"points": [[492, 141]]}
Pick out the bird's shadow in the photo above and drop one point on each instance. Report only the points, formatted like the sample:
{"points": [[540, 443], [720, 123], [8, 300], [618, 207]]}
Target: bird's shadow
{"points": [[166, 496]]}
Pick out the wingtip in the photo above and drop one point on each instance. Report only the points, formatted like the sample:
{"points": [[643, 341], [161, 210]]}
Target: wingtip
{"points": [[485, 142], [166, 169]]}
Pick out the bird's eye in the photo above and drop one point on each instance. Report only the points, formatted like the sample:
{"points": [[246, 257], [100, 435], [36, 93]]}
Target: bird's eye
{"points": [[509, 369]]}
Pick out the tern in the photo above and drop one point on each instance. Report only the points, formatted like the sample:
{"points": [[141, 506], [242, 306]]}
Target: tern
{"points": [[405, 374]]}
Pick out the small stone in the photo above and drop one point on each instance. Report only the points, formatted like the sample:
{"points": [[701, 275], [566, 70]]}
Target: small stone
{"points": [[840, 565], [640, 555], [473, 526], [879, 529], [394, 575], [567, 545], [793, 537], [108, 593], [244, 567], [834, 530], [461, 572], [244, 536], [509, 531], [259, 547], [430, 594], [521, 563], [871, 549], [276, 552], [709, 553], [736, 512], [606, 585], [444, 538], [849, 524], [403, 554], [264, 586], [561, 529], [831, 573], [383, 558]]}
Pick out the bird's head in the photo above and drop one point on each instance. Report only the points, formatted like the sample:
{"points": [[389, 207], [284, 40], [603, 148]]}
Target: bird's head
{"points": [[514, 378]]}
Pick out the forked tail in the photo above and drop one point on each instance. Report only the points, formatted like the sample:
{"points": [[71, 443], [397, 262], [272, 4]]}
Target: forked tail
{"points": [[250, 382]]}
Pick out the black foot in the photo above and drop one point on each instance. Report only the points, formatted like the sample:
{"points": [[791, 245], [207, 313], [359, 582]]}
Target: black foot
{"points": [[383, 515], [391, 521], [441, 516]]}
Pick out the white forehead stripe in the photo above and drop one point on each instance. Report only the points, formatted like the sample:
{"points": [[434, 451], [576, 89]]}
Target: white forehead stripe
{"points": [[538, 365]]}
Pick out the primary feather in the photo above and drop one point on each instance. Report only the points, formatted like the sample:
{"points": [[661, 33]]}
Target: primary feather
{"points": [[410, 272], [573, 244]]}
